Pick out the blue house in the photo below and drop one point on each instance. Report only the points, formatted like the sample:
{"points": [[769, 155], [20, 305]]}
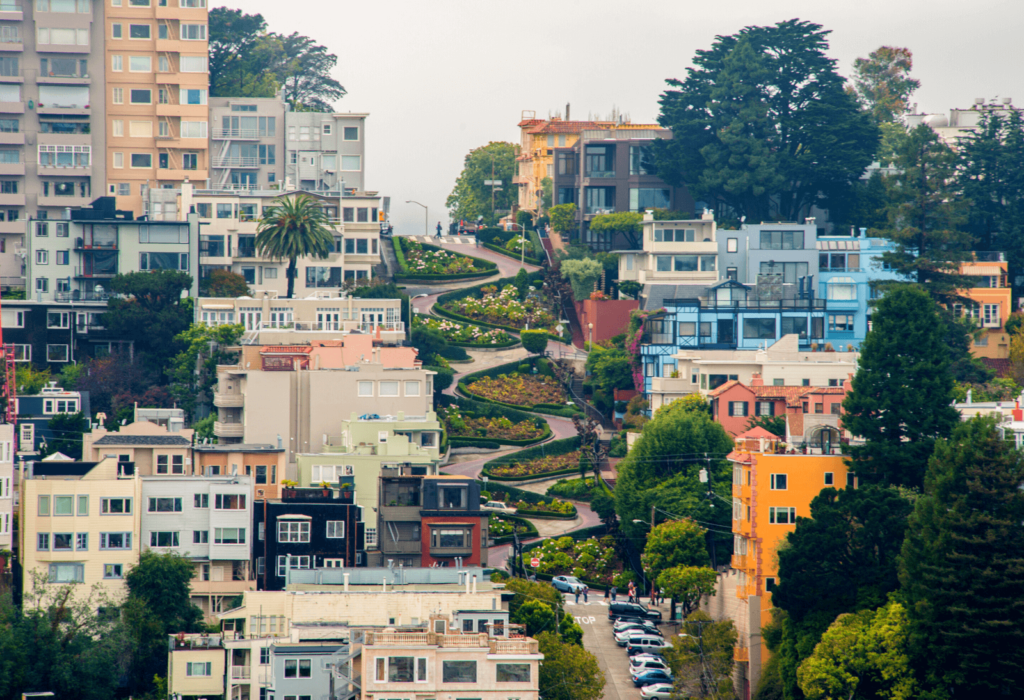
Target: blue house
{"points": [[727, 315], [846, 267]]}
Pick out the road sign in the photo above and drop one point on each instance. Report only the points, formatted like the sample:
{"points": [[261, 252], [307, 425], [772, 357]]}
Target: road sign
{"points": [[488, 183], [534, 563], [559, 328]]}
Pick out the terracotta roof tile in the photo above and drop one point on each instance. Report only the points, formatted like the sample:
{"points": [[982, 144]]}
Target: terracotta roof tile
{"points": [[530, 122], [557, 126], [779, 392], [795, 424], [757, 432], [724, 388]]}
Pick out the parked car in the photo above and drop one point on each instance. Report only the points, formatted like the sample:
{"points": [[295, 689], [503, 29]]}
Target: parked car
{"points": [[567, 584], [657, 691], [646, 662], [646, 643], [641, 625], [621, 638], [620, 610], [651, 677], [499, 507]]}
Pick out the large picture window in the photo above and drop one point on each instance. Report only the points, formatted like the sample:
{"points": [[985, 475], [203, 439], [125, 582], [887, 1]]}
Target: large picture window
{"points": [[293, 531], [759, 328], [513, 673], [458, 671]]}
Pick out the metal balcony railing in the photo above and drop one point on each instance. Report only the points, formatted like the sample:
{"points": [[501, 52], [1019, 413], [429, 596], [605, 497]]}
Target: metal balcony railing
{"points": [[236, 163], [236, 133]]}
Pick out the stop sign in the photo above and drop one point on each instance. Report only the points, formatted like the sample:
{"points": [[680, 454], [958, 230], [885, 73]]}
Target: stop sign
{"points": [[535, 562]]}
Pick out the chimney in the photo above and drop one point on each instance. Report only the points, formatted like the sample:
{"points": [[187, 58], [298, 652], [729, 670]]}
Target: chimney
{"points": [[566, 111], [474, 583], [756, 380]]}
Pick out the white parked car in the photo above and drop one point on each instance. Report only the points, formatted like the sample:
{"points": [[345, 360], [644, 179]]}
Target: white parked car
{"points": [[499, 507], [657, 691], [647, 662]]}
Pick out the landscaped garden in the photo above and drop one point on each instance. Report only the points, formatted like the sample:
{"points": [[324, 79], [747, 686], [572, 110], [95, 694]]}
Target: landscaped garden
{"points": [[549, 459], [472, 423], [507, 307], [519, 389], [592, 560], [576, 489], [426, 262], [466, 334]]}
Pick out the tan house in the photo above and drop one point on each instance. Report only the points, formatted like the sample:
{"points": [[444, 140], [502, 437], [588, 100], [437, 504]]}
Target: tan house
{"points": [[673, 252], [152, 448], [80, 523], [266, 464], [292, 395]]}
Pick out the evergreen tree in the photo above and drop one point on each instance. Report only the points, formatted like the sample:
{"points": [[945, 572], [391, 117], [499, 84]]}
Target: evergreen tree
{"points": [[900, 402], [882, 82], [962, 567], [925, 216]]}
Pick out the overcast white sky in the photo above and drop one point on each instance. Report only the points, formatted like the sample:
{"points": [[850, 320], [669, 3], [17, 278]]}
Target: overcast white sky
{"points": [[441, 77]]}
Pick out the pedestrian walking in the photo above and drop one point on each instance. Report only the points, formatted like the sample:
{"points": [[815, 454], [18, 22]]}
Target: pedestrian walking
{"points": [[607, 592], [438, 229], [586, 589], [576, 591], [615, 592]]}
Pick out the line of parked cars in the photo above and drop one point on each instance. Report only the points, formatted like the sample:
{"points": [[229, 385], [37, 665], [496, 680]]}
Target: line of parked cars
{"points": [[635, 627]]}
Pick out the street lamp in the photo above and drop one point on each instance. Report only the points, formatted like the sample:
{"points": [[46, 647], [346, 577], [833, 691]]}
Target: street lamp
{"points": [[522, 248], [426, 216], [591, 327]]}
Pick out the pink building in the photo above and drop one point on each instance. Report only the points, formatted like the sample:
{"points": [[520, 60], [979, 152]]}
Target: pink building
{"points": [[609, 316], [734, 404]]}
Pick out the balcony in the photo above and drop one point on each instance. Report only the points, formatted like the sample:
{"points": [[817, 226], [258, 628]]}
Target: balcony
{"points": [[989, 256], [741, 654], [400, 513], [240, 672], [245, 134], [228, 400], [10, 11], [12, 200], [63, 110], [64, 201], [671, 385], [12, 107], [741, 527], [236, 162], [12, 168], [15, 226], [387, 546], [601, 173], [54, 170], [765, 305], [740, 562], [95, 244], [228, 430], [193, 642], [179, 174], [93, 273], [12, 138], [169, 110]]}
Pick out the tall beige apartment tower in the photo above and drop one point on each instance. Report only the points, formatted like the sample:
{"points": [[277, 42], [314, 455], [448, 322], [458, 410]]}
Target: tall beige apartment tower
{"points": [[157, 88]]}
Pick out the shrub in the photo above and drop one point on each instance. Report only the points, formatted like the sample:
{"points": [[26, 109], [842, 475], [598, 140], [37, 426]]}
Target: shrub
{"points": [[535, 342], [443, 379], [575, 489]]}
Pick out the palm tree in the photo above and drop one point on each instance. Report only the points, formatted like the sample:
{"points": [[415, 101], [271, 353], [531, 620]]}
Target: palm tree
{"points": [[292, 228]]}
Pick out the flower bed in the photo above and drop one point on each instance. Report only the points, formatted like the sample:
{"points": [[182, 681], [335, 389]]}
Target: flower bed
{"points": [[550, 459], [591, 559], [519, 389], [466, 334], [576, 489], [466, 424], [503, 308], [422, 262], [500, 528]]}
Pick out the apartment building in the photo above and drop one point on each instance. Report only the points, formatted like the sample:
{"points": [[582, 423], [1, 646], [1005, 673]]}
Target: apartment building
{"points": [[35, 411], [289, 393], [7, 486], [270, 318], [989, 303], [326, 151], [152, 448], [157, 96], [75, 259], [961, 122], [308, 528], [785, 362], [604, 173], [265, 464], [79, 523], [208, 519], [777, 250], [50, 333], [247, 143], [770, 490], [669, 252], [367, 445]]}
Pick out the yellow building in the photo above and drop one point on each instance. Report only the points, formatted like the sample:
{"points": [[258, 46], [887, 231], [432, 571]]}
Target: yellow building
{"points": [[79, 524], [157, 89], [992, 303], [769, 492]]}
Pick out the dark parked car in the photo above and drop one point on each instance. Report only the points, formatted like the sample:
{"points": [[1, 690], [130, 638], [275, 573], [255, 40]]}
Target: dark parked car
{"points": [[651, 677], [619, 610]]}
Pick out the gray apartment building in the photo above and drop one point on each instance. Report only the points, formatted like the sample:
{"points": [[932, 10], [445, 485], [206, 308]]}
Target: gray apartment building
{"points": [[603, 173], [788, 251], [247, 143], [325, 151]]}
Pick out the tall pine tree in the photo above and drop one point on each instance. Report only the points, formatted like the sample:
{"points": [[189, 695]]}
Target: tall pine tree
{"points": [[962, 567], [901, 397]]}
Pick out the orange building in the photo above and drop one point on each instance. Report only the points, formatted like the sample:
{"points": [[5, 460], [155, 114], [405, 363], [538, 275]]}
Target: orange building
{"points": [[992, 303], [770, 491]]}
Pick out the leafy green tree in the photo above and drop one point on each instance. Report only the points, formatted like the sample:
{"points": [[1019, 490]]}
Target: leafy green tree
{"points": [[224, 283], [962, 566], [776, 425], [569, 671], [674, 544], [30, 380], [193, 373], [925, 217], [292, 228], [471, 198], [663, 467], [862, 656], [147, 308], [306, 78], [158, 605], [687, 584], [628, 223], [610, 368], [563, 217], [883, 84], [630, 288], [582, 275], [67, 429], [547, 193], [522, 608], [429, 342], [443, 378], [534, 342], [901, 396], [701, 658], [762, 125]]}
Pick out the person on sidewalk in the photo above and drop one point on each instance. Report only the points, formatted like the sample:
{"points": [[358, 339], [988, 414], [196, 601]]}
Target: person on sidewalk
{"points": [[576, 592], [438, 229], [614, 592], [586, 589], [607, 592]]}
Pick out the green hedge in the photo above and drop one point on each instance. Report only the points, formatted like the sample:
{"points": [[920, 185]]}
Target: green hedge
{"points": [[535, 279], [492, 410], [547, 515], [474, 442], [514, 494], [511, 254], [556, 447], [453, 352], [531, 529], [489, 268], [543, 366]]}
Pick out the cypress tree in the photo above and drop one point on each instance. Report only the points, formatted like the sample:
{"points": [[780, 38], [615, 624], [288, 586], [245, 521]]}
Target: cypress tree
{"points": [[901, 397], [962, 567]]}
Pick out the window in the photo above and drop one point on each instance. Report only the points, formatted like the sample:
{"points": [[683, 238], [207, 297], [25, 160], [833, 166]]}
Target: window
{"points": [[198, 668], [738, 408], [63, 505], [67, 573], [350, 163], [116, 506], [412, 388], [298, 668], [42, 284], [351, 133], [829, 478], [642, 198], [190, 96], [229, 535], [840, 322], [43, 541], [117, 63], [164, 505], [732, 245], [140, 64], [298, 562], [389, 388], [452, 497], [759, 328], [458, 671], [335, 529], [293, 531], [163, 539], [62, 541], [229, 501], [782, 516], [782, 240], [163, 261], [116, 30], [366, 388], [779, 482], [83, 505], [42, 257], [841, 289], [449, 538], [790, 272], [116, 540], [200, 537], [193, 130], [513, 673], [371, 537], [82, 541], [56, 353], [836, 409], [765, 408], [193, 32]]}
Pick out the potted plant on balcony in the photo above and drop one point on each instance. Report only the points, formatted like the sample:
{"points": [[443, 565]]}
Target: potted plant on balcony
{"points": [[346, 492], [326, 488], [288, 488]]}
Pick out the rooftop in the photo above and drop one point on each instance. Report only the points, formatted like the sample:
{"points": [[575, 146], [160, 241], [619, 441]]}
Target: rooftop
{"points": [[144, 440], [523, 645], [240, 447]]}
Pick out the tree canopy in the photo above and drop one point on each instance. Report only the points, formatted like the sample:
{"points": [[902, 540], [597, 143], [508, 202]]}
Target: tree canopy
{"points": [[901, 396], [563, 217], [701, 658], [147, 308], [762, 125], [471, 198], [193, 372], [582, 275], [883, 84], [224, 283], [569, 671], [292, 228]]}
